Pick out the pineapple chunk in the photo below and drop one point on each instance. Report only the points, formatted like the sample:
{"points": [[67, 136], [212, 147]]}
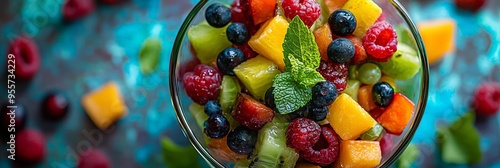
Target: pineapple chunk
{"points": [[104, 105], [257, 75], [348, 118], [358, 153], [366, 13], [268, 41]]}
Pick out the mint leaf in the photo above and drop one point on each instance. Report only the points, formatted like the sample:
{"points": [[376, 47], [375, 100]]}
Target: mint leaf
{"points": [[459, 143], [290, 95], [149, 55], [300, 43], [304, 75], [409, 156], [177, 156]]}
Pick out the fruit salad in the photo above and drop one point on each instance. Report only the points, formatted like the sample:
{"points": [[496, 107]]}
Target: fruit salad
{"points": [[287, 83]]}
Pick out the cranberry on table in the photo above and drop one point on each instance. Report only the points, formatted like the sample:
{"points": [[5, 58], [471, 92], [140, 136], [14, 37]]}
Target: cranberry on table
{"points": [[76, 9], [111, 1], [16, 117], [55, 106], [93, 158], [472, 5], [486, 100], [30, 146], [26, 58]]}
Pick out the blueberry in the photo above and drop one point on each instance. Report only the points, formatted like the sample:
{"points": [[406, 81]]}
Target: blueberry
{"points": [[342, 22], [237, 33], [340, 50], [55, 106], [242, 140], [383, 94], [228, 59], [216, 126], [324, 93], [218, 15], [300, 113], [317, 113], [269, 99], [213, 107]]}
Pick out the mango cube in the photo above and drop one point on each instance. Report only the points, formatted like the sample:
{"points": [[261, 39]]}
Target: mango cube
{"points": [[104, 105], [323, 37], [438, 37], [366, 13], [359, 153], [268, 41], [348, 118], [397, 115], [365, 98]]}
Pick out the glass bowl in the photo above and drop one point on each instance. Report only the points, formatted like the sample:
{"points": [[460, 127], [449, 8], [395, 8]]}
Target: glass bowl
{"points": [[182, 59]]}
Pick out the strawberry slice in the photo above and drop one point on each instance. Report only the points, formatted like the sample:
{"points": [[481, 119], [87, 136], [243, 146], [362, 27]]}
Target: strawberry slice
{"points": [[251, 113]]}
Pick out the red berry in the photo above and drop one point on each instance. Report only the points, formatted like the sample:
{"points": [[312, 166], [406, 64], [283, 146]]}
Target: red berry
{"points": [[335, 73], [302, 133], [376, 112], [247, 51], [203, 84], [76, 9], [240, 12], [111, 1], [93, 158], [55, 106], [307, 10], [486, 100], [30, 146], [472, 5], [380, 42], [26, 57], [386, 144], [325, 153], [381, 18]]}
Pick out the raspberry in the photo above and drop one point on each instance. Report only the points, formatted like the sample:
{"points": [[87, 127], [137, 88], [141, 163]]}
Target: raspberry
{"points": [[26, 58], [472, 5], [326, 151], [30, 146], [302, 133], [76, 9], [486, 100], [335, 73], [308, 10], [203, 84], [247, 51], [93, 158], [380, 42]]}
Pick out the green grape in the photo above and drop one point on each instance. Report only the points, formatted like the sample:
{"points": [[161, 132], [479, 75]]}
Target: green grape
{"points": [[352, 88], [369, 73], [353, 71]]}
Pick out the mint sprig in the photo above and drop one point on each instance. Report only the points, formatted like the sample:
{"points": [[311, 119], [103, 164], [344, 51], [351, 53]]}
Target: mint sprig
{"points": [[292, 89]]}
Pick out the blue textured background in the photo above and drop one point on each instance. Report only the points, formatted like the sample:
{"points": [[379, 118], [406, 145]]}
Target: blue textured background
{"points": [[80, 56]]}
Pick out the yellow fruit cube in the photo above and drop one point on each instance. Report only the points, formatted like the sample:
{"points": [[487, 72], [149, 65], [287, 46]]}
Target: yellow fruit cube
{"points": [[104, 105], [348, 118], [358, 153], [366, 13], [439, 38], [268, 41]]}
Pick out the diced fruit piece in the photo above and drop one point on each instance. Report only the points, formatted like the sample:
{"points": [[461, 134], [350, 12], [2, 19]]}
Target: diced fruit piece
{"points": [[229, 90], [376, 112], [352, 89], [218, 15], [105, 105], [268, 41], [216, 126], [353, 72], [257, 75], [326, 150], [323, 37], [242, 163], [203, 84], [271, 150], [24, 56], [240, 12], [386, 144], [149, 55], [212, 107], [369, 73], [360, 55], [207, 41], [389, 80], [380, 42], [55, 106], [365, 98], [348, 118], [221, 150], [302, 133], [242, 140], [335, 73], [472, 5], [262, 10], [383, 94], [334, 5], [486, 100], [30, 146], [323, 18], [251, 113], [324, 93], [197, 111], [340, 50], [342, 22], [397, 115], [237, 33], [366, 13], [373, 134], [307, 10], [93, 158], [439, 38], [358, 153], [404, 65], [228, 59]]}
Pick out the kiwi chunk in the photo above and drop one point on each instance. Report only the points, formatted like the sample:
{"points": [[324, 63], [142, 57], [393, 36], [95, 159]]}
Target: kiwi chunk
{"points": [[198, 113], [207, 41], [374, 134], [352, 88]]}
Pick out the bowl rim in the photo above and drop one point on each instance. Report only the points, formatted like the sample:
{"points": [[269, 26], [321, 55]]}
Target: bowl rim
{"points": [[215, 163]]}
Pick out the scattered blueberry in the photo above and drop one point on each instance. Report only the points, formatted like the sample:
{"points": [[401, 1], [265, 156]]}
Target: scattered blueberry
{"points": [[342, 22], [216, 126], [213, 107], [242, 140], [269, 99], [340, 50], [237, 33], [218, 15], [317, 113], [300, 113], [324, 93], [16, 117], [383, 94], [228, 59], [55, 106]]}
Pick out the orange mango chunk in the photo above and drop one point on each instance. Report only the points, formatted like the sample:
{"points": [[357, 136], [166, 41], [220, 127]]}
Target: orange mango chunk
{"points": [[104, 105], [365, 98], [397, 115], [438, 37], [334, 5], [359, 153], [268, 41], [323, 38], [348, 118]]}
